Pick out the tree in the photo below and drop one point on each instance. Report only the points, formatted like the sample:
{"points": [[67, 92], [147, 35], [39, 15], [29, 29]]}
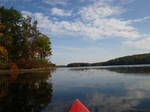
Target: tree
{"points": [[21, 38], [42, 45], [11, 19], [3, 54]]}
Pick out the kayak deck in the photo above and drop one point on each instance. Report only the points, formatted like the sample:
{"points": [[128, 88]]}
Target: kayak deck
{"points": [[77, 106]]}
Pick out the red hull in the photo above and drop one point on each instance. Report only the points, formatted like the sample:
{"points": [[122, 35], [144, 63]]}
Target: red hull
{"points": [[77, 106]]}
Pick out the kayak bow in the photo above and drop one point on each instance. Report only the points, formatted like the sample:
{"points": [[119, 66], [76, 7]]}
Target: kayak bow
{"points": [[77, 106]]}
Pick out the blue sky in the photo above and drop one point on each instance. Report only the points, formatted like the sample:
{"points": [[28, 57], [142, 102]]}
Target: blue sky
{"points": [[90, 30]]}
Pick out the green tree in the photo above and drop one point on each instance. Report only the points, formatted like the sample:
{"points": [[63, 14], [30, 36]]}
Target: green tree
{"points": [[11, 38], [42, 45], [21, 38]]}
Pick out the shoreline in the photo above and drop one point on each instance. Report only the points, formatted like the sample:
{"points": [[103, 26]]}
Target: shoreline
{"points": [[27, 70]]}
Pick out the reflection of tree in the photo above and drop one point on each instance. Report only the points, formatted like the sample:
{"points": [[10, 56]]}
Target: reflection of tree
{"points": [[28, 93], [137, 70], [80, 69], [125, 69]]}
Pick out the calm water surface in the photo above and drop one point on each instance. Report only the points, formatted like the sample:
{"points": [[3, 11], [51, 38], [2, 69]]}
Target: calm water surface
{"points": [[125, 89]]}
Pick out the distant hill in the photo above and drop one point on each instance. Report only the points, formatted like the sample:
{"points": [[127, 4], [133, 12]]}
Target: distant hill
{"points": [[78, 64], [127, 60]]}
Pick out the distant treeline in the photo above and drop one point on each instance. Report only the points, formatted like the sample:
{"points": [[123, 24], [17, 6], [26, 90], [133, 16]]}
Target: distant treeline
{"points": [[78, 64], [127, 60]]}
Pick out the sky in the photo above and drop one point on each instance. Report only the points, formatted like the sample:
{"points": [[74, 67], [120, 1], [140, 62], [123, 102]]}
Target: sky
{"points": [[90, 30]]}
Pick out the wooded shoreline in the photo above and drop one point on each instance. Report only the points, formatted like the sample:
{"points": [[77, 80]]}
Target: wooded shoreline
{"points": [[22, 45], [28, 70], [138, 59]]}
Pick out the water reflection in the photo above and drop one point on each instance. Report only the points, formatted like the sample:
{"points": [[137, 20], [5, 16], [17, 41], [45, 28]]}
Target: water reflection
{"points": [[136, 99], [108, 103], [131, 102], [25, 93], [102, 90], [136, 70], [122, 69]]}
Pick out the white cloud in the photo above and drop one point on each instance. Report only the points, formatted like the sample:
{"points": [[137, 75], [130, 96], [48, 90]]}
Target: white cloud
{"points": [[97, 21], [98, 10], [60, 12], [140, 44], [67, 48], [55, 2], [26, 13], [139, 20], [101, 16]]}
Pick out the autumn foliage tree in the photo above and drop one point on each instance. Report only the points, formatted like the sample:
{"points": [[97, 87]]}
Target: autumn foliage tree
{"points": [[22, 40], [3, 57]]}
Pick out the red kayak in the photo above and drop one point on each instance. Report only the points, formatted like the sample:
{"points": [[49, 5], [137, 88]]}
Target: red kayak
{"points": [[77, 106]]}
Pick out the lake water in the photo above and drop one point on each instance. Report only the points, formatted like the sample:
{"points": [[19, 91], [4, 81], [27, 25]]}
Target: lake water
{"points": [[125, 89]]}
